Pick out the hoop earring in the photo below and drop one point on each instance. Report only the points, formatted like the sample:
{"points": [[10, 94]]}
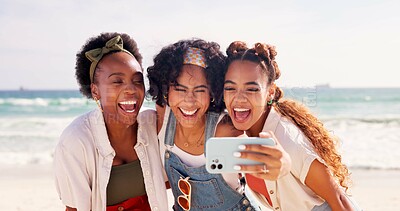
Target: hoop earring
{"points": [[212, 100], [98, 104], [270, 102]]}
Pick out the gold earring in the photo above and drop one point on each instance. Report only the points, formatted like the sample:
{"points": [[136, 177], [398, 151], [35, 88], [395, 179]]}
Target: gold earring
{"points": [[98, 103]]}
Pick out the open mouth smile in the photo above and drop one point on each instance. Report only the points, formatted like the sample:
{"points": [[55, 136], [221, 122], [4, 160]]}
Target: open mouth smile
{"points": [[189, 113], [241, 114], [128, 106]]}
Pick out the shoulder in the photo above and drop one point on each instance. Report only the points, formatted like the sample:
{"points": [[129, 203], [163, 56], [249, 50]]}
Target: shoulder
{"points": [[225, 128], [147, 121], [77, 133], [290, 131], [160, 115], [296, 144], [147, 118]]}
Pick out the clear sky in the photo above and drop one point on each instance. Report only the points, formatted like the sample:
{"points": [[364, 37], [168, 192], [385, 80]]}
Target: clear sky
{"points": [[344, 43]]}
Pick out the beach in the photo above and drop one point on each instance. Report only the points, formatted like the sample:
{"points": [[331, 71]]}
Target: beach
{"points": [[31, 188]]}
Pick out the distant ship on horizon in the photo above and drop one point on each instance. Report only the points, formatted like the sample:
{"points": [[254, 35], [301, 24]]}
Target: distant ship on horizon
{"points": [[323, 86]]}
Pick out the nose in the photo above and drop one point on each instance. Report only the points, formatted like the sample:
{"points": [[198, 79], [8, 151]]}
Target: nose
{"points": [[240, 97], [130, 89], [190, 97]]}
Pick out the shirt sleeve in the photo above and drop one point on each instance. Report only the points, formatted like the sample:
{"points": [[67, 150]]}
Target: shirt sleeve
{"points": [[298, 147], [72, 179]]}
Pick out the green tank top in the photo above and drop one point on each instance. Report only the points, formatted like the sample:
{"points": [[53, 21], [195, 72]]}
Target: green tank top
{"points": [[126, 181]]}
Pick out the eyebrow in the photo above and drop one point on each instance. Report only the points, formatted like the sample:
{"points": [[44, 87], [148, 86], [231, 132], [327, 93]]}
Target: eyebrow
{"points": [[196, 87], [123, 74], [229, 82], [252, 83], [117, 74], [247, 83]]}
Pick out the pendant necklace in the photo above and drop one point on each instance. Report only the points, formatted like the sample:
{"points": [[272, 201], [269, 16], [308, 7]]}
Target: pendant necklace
{"points": [[198, 143]]}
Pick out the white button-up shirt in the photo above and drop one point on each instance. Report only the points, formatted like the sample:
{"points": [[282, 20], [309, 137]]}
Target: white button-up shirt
{"points": [[84, 157], [290, 192]]}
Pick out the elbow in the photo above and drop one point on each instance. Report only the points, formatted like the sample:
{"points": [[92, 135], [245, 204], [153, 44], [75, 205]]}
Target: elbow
{"points": [[343, 203]]}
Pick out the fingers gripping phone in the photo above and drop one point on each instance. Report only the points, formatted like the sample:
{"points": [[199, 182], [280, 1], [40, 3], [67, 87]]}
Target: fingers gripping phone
{"points": [[219, 153]]}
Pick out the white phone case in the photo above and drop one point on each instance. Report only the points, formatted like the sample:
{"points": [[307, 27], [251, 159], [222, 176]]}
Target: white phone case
{"points": [[219, 153]]}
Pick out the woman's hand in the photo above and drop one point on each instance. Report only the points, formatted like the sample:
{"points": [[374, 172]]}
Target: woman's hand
{"points": [[277, 162]]}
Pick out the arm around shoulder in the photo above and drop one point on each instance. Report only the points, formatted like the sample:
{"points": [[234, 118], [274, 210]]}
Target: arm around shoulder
{"points": [[225, 128]]}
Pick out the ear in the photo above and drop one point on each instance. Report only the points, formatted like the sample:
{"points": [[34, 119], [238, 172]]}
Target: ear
{"points": [[95, 91]]}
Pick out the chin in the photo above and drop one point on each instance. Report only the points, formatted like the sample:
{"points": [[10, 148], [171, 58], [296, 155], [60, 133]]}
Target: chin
{"points": [[239, 126], [187, 124]]}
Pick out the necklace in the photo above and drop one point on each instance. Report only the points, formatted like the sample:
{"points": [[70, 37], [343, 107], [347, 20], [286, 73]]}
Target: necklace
{"points": [[198, 143]]}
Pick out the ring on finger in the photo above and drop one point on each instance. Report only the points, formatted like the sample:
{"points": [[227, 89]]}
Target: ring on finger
{"points": [[264, 170]]}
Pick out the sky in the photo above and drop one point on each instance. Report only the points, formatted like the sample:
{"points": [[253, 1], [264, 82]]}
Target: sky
{"points": [[344, 43]]}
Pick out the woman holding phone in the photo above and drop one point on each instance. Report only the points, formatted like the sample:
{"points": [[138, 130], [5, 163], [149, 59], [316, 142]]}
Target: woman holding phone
{"points": [[184, 83], [318, 179]]}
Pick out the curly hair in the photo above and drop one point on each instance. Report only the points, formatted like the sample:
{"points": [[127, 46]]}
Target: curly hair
{"points": [[324, 143], [168, 66], [82, 66]]}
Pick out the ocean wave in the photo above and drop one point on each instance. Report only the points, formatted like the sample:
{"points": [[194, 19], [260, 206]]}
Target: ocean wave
{"points": [[44, 102], [367, 120], [23, 158], [366, 167]]}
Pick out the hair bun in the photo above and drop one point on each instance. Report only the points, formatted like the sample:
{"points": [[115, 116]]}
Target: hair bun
{"points": [[272, 52], [262, 51], [236, 47]]}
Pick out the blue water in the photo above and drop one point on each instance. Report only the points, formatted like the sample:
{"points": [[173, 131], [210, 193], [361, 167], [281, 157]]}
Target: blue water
{"points": [[367, 121]]}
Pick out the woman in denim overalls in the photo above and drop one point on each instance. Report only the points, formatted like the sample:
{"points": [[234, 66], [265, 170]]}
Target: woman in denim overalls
{"points": [[185, 81]]}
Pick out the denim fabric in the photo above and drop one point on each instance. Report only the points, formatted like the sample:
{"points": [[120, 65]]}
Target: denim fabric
{"points": [[209, 191]]}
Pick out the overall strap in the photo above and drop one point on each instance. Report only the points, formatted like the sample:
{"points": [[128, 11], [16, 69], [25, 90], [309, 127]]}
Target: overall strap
{"points": [[211, 123], [170, 130]]}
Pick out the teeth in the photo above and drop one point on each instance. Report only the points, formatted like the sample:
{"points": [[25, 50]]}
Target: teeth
{"points": [[187, 112], [241, 109], [128, 102]]}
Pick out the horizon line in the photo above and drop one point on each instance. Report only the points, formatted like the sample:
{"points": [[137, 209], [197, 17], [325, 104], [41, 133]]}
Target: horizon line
{"points": [[283, 87]]}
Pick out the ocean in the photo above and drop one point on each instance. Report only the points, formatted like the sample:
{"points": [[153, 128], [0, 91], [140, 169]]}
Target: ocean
{"points": [[367, 121]]}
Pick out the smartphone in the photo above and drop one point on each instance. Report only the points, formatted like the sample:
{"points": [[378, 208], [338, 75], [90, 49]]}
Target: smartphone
{"points": [[219, 153]]}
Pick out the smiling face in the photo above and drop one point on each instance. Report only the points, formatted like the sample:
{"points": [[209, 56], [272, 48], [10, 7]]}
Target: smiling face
{"points": [[119, 87], [246, 94], [190, 98]]}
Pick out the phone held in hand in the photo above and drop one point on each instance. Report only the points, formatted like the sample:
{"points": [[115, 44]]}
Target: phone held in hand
{"points": [[219, 153]]}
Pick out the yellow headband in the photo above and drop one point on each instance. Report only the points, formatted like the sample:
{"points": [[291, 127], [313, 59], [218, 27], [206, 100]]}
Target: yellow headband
{"points": [[95, 55], [195, 56]]}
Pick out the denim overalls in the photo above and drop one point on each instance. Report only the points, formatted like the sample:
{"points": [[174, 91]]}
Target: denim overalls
{"points": [[209, 191]]}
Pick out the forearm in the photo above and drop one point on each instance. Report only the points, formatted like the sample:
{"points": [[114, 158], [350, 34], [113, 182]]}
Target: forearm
{"points": [[340, 203]]}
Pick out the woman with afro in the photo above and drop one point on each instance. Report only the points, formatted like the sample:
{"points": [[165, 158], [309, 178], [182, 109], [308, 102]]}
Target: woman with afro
{"points": [[108, 159]]}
